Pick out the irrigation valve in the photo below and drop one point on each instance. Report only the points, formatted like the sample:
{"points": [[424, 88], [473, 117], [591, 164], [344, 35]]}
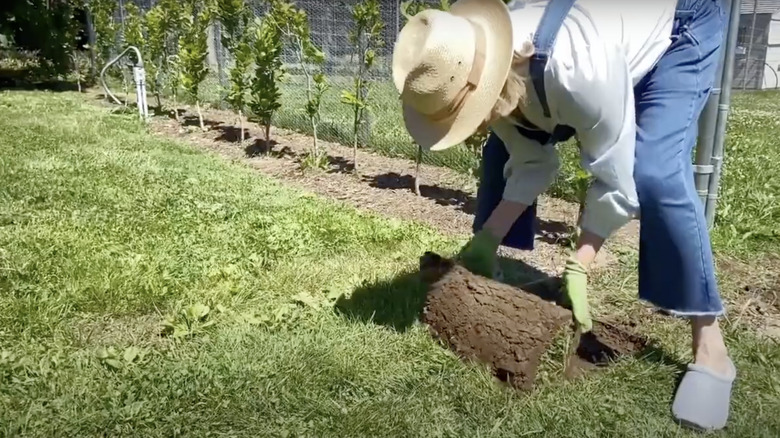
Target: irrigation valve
{"points": [[139, 77]]}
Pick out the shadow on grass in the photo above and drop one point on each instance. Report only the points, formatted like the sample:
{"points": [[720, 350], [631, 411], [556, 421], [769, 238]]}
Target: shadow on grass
{"points": [[19, 80], [398, 303]]}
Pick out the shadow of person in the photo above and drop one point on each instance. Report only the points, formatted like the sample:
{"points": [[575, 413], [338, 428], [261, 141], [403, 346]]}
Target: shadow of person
{"points": [[397, 303]]}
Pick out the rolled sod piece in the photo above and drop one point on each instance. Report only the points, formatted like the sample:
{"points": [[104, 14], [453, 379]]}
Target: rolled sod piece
{"points": [[506, 327]]}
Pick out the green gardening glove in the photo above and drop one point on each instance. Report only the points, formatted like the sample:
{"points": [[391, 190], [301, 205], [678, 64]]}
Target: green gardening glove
{"points": [[479, 254], [575, 292]]}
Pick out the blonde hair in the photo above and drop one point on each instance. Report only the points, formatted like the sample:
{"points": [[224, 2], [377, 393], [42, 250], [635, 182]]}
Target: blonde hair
{"points": [[514, 92]]}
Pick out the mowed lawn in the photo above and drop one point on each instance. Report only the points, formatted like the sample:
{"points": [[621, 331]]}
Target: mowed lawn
{"points": [[149, 289]]}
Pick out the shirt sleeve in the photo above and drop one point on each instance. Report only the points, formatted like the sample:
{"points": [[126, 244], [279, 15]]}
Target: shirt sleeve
{"points": [[530, 169], [596, 98]]}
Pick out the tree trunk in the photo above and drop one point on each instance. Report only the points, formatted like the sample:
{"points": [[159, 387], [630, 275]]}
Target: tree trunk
{"points": [[354, 154], [159, 102], [268, 138], [316, 140], [417, 171], [200, 116], [241, 127], [176, 108], [356, 122]]}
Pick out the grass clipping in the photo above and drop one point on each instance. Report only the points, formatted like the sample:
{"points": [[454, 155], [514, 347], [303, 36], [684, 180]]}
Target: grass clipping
{"points": [[508, 328]]}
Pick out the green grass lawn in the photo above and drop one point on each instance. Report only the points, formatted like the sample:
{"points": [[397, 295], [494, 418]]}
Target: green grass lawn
{"points": [[106, 231]]}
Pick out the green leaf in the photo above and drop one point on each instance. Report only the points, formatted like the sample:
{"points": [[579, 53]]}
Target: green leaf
{"points": [[334, 294], [102, 353], [180, 331], [306, 300], [131, 354], [197, 312], [349, 98], [113, 363]]}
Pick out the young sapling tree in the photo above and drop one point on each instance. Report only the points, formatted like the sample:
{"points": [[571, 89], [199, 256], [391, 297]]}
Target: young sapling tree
{"points": [[174, 82], [475, 143], [234, 17], [163, 24], [409, 9], [317, 88], [293, 25], [266, 96], [366, 36], [135, 30], [581, 180], [80, 67], [106, 30], [193, 50]]}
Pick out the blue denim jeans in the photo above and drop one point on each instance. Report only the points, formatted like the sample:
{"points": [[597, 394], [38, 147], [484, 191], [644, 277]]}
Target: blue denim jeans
{"points": [[676, 269]]}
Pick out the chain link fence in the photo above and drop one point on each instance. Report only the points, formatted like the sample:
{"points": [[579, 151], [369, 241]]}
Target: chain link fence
{"points": [[331, 22]]}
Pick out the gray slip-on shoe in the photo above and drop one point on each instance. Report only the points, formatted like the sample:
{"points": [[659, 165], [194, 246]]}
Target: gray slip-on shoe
{"points": [[703, 398]]}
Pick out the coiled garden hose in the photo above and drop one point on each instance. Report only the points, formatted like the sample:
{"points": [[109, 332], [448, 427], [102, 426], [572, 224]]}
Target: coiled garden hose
{"points": [[139, 77]]}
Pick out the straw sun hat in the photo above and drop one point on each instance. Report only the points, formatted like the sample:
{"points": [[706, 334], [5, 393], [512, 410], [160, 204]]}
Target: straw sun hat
{"points": [[450, 68]]}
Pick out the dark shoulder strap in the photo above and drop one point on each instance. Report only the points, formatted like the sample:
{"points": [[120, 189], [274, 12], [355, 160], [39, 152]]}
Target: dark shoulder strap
{"points": [[544, 41]]}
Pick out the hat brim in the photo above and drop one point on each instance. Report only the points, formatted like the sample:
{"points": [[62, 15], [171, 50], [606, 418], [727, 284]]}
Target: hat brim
{"points": [[493, 17]]}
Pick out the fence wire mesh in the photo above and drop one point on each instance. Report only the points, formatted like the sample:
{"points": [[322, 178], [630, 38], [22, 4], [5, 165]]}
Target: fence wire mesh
{"points": [[331, 22]]}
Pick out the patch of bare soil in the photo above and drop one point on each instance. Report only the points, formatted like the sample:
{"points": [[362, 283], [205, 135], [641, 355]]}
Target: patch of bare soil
{"points": [[509, 328], [381, 184]]}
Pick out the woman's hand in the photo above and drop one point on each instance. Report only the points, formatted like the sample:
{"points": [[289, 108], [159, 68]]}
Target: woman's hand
{"points": [[575, 278], [575, 292], [479, 254]]}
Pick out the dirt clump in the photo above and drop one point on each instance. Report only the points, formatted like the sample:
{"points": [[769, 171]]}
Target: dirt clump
{"points": [[509, 328]]}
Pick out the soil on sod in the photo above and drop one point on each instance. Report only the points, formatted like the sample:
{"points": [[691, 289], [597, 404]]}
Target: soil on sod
{"points": [[509, 328]]}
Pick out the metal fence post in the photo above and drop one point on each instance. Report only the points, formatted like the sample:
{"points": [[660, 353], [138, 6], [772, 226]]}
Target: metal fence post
{"points": [[723, 112], [702, 167]]}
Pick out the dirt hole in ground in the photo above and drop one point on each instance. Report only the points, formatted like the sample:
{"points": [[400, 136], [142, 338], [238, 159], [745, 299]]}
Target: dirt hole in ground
{"points": [[509, 328]]}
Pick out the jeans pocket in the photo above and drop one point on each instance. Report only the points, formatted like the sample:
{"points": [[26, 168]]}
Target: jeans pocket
{"points": [[686, 33], [701, 27]]}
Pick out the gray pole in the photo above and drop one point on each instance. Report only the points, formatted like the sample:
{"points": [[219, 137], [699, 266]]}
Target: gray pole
{"points": [[702, 167], [723, 113]]}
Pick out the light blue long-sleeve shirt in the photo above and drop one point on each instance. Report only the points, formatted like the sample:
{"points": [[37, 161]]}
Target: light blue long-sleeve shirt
{"points": [[603, 50]]}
